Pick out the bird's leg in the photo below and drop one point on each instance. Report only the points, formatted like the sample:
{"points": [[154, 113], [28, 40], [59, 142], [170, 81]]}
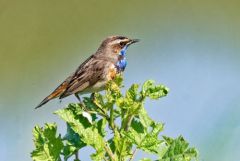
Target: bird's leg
{"points": [[81, 103], [79, 99], [93, 96]]}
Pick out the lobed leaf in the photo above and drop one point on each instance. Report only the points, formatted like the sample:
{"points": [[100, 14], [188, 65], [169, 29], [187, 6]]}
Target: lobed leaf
{"points": [[48, 145], [143, 138], [73, 143], [149, 89], [177, 150], [87, 131]]}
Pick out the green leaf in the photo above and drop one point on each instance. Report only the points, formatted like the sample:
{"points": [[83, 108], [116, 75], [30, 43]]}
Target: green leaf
{"points": [[69, 150], [98, 156], [137, 126], [118, 80], [144, 118], [73, 116], [151, 143], [87, 116], [101, 125], [95, 103], [88, 132], [113, 90], [89, 103], [48, 146], [145, 140], [177, 149], [132, 92], [153, 91], [73, 138]]}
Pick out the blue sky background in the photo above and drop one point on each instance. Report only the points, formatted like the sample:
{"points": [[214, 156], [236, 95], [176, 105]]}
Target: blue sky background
{"points": [[190, 46]]}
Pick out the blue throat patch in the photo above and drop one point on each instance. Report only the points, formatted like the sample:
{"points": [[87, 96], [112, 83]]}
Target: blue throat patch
{"points": [[123, 51], [122, 63]]}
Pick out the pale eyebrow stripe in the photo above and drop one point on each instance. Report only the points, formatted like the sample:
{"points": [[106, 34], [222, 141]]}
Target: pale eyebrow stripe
{"points": [[118, 41]]}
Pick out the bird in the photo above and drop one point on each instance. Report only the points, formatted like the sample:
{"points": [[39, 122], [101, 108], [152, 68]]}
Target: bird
{"points": [[94, 73]]}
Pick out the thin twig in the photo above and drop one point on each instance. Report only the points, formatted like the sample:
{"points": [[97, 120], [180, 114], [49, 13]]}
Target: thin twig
{"points": [[76, 155], [101, 114], [132, 156], [100, 108], [108, 150]]}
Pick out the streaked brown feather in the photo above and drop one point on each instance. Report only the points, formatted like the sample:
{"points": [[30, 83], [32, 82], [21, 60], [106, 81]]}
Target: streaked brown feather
{"points": [[92, 72]]}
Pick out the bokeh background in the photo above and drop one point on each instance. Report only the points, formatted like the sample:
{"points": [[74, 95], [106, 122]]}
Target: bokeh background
{"points": [[191, 46]]}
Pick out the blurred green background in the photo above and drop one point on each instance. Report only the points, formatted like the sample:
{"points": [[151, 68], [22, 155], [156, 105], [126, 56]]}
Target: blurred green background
{"points": [[191, 46]]}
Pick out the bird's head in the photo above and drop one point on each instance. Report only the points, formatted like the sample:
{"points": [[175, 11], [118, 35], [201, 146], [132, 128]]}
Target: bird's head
{"points": [[117, 44]]}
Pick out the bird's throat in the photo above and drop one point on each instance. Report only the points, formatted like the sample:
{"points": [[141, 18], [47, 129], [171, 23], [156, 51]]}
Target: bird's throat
{"points": [[122, 63], [123, 51]]}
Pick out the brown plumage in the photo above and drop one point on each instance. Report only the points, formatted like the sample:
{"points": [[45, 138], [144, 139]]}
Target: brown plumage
{"points": [[93, 74]]}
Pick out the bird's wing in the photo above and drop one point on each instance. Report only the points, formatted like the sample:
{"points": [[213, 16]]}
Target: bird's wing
{"points": [[85, 76], [64, 85]]}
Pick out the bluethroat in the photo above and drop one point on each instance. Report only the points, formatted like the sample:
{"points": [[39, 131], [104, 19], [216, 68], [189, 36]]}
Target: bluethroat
{"points": [[94, 73]]}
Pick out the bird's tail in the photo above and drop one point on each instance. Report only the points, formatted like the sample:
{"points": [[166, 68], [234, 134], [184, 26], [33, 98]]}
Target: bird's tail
{"points": [[56, 93], [44, 101]]}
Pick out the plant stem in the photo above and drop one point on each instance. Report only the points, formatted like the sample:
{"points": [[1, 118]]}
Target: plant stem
{"points": [[104, 112], [109, 152], [128, 123], [112, 118], [101, 114]]}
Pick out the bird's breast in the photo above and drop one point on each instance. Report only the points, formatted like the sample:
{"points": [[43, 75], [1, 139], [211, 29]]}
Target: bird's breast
{"points": [[121, 64], [98, 86], [112, 72]]}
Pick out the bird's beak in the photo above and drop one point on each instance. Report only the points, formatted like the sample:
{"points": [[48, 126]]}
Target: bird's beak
{"points": [[132, 41]]}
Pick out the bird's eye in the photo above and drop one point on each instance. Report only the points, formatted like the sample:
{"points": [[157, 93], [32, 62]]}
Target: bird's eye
{"points": [[122, 44]]}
